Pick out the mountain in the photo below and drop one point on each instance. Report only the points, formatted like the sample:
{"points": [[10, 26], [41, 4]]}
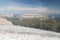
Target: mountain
{"points": [[55, 15], [6, 15], [36, 15], [5, 21]]}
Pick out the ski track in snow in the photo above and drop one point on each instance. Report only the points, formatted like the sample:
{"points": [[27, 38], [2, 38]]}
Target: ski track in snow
{"points": [[12, 32]]}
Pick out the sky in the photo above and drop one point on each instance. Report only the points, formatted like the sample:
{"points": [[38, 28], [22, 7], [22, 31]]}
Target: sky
{"points": [[30, 6]]}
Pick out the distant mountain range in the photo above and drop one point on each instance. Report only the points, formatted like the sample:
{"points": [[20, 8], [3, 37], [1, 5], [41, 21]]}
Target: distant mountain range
{"points": [[57, 16]]}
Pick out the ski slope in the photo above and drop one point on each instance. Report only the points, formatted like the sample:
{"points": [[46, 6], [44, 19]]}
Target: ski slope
{"points": [[12, 32]]}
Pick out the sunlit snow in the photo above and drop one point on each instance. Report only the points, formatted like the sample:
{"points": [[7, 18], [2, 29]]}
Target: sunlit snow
{"points": [[5, 21], [22, 33]]}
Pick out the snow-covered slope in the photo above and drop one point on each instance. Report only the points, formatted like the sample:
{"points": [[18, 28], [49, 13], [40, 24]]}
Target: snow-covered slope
{"points": [[5, 21], [13, 32]]}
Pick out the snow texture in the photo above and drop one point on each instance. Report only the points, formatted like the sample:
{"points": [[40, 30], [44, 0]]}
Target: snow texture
{"points": [[12, 32]]}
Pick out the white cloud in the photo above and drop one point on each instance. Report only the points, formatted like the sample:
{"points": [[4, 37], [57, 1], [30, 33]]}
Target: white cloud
{"points": [[27, 9]]}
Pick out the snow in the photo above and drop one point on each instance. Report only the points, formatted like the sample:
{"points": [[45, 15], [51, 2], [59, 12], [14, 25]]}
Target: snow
{"points": [[5, 21], [12, 32]]}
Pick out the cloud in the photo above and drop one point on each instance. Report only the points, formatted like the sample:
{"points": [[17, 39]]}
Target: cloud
{"points": [[27, 10]]}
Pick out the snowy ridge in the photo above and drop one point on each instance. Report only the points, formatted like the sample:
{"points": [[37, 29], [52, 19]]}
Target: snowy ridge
{"points": [[12, 32], [5, 21]]}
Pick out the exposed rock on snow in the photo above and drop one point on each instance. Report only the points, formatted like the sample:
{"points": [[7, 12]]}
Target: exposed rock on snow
{"points": [[5, 22], [23, 33]]}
